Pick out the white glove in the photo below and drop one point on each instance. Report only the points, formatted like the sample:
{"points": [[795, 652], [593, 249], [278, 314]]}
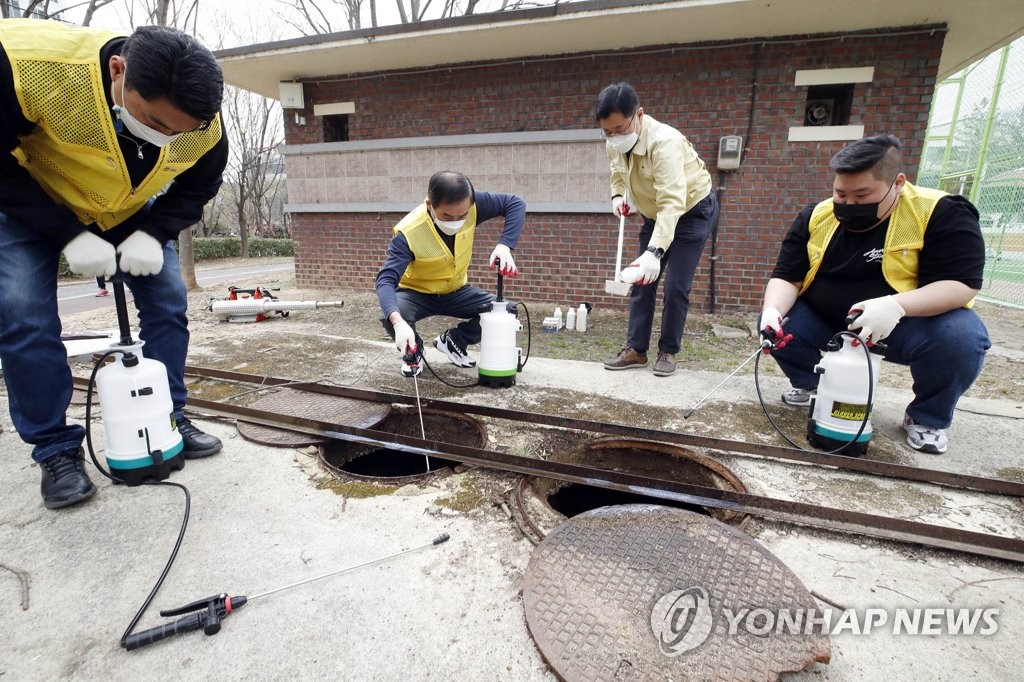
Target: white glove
{"points": [[405, 337], [620, 207], [91, 255], [503, 254], [643, 270], [879, 317], [771, 317], [141, 254]]}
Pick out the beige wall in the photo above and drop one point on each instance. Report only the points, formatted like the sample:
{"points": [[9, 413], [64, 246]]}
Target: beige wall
{"points": [[562, 172]]}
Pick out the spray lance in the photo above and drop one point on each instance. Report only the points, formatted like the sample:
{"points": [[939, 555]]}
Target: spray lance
{"points": [[770, 338], [207, 614]]}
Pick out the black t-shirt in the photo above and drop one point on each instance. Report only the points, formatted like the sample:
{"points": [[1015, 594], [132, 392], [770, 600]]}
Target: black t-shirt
{"points": [[851, 268]]}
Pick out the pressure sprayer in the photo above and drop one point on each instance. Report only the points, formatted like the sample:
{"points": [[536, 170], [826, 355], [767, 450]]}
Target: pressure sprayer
{"points": [[500, 358], [138, 414], [839, 415]]}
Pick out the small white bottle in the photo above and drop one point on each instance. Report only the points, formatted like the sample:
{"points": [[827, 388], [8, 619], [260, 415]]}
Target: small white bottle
{"points": [[570, 319], [581, 318], [558, 315]]}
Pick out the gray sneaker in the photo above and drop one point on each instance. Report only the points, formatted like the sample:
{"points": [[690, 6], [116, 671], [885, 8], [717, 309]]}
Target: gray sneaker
{"points": [[924, 438], [665, 365], [799, 397]]}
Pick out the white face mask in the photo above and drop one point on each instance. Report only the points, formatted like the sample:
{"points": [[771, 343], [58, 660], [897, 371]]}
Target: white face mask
{"points": [[449, 227], [138, 129], [623, 143]]}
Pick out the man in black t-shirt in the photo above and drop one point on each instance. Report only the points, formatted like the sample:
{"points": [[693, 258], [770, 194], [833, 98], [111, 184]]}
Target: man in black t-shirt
{"points": [[908, 259]]}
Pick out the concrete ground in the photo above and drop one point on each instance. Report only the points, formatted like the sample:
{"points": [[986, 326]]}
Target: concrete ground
{"points": [[265, 517]]}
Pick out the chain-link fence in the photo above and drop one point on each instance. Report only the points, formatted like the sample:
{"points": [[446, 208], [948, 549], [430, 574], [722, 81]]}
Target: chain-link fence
{"points": [[975, 147]]}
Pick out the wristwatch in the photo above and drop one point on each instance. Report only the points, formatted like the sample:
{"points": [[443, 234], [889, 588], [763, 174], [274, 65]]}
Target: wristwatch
{"points": [[657, 251]]}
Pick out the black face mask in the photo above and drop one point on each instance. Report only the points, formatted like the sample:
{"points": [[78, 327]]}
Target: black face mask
{"points": [[858, 217]]}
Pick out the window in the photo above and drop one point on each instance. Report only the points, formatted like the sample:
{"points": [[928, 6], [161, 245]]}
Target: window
{"points": [[336, 128], [828, 105]]}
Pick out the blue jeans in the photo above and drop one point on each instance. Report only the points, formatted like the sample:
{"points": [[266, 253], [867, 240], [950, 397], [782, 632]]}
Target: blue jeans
{"points": [[680, 260], [464, 303], [35, 362], [945, 354]]}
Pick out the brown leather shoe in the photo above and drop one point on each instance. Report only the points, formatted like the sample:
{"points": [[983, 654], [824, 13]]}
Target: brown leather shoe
{"points": [[626, 359], [665, 365]]}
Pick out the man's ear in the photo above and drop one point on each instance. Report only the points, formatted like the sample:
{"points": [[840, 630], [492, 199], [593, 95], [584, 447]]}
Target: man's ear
{"points": [[901, 179], [115, 66]]}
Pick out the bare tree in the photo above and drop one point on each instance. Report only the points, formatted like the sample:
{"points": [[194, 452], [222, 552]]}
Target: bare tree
{"points": [[42, 9], [314, 18], [255, 169]]}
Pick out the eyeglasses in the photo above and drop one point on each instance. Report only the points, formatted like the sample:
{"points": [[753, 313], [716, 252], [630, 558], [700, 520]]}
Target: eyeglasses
{"points": [[618, 131]]}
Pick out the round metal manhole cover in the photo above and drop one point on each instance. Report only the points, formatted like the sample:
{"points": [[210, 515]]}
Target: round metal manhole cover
{"points": [[648, 592], [362, 414]]}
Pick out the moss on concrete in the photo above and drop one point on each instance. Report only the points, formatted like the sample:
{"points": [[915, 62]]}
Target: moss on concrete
{"points": [[465, 498]]}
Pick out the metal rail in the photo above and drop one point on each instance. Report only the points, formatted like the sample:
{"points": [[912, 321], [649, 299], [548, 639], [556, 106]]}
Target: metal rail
{"points": [[867, 466], [793, 512]]}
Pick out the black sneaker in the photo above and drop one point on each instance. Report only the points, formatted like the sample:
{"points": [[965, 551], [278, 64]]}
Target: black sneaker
{"points": [[64, 480], [453, 351], [197, 443]]}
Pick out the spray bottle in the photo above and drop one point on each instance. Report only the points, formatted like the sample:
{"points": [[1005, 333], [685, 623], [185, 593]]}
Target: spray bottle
{"points": [[500, 357], [138, 413], [839, 413]]}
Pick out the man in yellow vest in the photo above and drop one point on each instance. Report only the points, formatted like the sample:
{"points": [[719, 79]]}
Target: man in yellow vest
{"points": [[93, 126], [907, 260], [425, 273]]}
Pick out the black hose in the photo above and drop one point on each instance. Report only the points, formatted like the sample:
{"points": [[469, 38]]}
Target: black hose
{"points": [[867, 409], [188, 498]]}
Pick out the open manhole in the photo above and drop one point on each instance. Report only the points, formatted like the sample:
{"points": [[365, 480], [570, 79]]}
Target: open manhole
{"points": [[643, 458], [360, 460]]}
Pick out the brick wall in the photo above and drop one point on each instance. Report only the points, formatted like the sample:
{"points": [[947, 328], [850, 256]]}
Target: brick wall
{"points": [[704, 91]]}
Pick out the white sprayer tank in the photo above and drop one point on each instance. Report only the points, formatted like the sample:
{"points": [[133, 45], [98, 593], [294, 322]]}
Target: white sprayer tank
{"points": [[842, 400], [499, 355], [138, 418]]}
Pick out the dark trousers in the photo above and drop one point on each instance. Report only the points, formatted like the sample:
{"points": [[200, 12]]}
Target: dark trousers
{"points": [[677, 267], [465, 303]]}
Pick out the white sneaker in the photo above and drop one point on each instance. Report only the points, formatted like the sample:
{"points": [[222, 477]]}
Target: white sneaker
{"points": [[924, 438], [453, 351], [799, 397]]}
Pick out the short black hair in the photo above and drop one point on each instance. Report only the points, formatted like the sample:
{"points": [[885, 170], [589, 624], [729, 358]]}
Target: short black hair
{"points": [[879, 154], [617, 98], [168, 63], [449, 187]]}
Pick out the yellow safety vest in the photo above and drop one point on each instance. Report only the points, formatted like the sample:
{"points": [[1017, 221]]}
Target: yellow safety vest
{"points": [[435, 270], [904, 237], [73, 152]]}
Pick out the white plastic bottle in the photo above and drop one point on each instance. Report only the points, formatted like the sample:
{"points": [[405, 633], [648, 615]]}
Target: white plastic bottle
{"points": [[570, 319], [581, 318], [558, 315]]}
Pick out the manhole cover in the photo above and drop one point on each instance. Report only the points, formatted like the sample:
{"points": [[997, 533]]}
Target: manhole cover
{"points": [[649, 592], [78, 397], [362, 414], [372, 462]]}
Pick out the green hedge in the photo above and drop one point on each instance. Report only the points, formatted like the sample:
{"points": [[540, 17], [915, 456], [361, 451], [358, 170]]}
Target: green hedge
{"points": [[207, 249]]}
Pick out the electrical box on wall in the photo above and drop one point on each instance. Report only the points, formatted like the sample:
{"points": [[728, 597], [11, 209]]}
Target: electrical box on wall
{"points": [[730, 149], [291, 95]]}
